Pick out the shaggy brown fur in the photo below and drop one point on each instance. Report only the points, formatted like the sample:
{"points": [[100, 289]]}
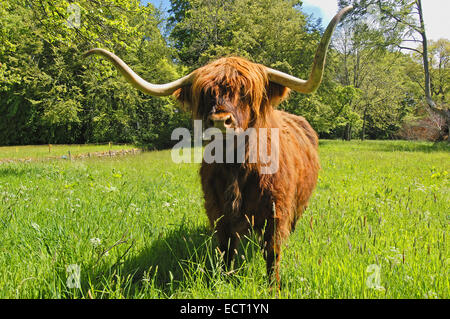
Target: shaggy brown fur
{"points": [[238, 196]]}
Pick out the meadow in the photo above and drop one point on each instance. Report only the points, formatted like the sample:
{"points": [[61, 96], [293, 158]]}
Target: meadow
{"points": [[42, 152], [135, 227]]}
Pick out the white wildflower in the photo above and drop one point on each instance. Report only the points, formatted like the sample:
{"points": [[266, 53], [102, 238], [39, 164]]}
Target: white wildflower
{"points": [[379, 289], [395, 256], [302, 279], [431, 295], [36, 227], [95, 241]]}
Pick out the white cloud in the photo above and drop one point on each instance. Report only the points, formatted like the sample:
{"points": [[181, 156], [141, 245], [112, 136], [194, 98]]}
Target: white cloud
{"points": [[328, 8], [436, 15]]}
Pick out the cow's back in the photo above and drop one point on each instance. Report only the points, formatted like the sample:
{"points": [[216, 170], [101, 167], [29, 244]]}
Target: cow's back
{"points": [[299, 126]]}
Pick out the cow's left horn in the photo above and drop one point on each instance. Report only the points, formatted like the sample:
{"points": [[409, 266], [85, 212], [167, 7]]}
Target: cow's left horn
{"points": [[137, 81], [315, 77]]}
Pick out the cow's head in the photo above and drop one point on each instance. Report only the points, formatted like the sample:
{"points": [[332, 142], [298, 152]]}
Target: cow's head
{"points": [[232, 93]]}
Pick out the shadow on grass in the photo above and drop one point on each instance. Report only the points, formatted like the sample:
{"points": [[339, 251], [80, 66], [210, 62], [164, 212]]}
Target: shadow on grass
{"points": [[18, 170], [168, 259], [182, 258], [167, 264]]}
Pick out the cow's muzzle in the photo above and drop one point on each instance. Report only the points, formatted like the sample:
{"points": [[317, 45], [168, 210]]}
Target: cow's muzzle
{"points": [[223, 121]]}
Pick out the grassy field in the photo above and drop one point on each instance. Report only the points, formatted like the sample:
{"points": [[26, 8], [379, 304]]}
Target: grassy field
{"points": [[135, 227], [39, 152]]}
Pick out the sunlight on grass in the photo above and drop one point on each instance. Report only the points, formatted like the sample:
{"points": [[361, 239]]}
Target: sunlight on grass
{"points": [[136, 227], [59, 150]]}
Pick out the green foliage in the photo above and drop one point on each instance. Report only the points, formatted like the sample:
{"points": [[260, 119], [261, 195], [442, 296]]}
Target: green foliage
{"points": [[268, 32], [49, 95], [439, 60], [401, 25]]}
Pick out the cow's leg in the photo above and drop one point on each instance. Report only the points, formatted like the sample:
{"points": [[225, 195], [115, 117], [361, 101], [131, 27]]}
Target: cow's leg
{"points": [[276, 231], [220, 224], [227, 242], [227, 245], [272, 252]]}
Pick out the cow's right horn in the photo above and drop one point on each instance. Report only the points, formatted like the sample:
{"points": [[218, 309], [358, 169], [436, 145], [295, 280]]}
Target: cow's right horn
{"points": [[137, 81], [315, 77]]}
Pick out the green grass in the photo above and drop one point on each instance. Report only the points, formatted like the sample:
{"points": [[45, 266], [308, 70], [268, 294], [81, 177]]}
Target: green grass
{"points": [[37, 152], [136, 227]]}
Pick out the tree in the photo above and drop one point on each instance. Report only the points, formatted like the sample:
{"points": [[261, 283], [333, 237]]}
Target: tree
{"points": [[49, 95], [403, 22], [366, 64], [440, 69]]}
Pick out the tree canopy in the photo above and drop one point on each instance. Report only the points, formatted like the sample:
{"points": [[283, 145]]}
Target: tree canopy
{"points": [[50, 94]]}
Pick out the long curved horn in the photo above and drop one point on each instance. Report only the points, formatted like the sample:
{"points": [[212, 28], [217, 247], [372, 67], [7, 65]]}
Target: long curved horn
{"points": [[315, 77], [137, 81]]}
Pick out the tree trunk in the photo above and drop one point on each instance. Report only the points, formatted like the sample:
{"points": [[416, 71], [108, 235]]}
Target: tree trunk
{"points": [[448, 127], [431, 105], [348, 132], [363, 131]]}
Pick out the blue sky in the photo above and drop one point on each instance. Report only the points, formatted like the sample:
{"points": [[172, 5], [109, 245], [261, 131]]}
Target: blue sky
{"points": [[308, 6], [158, 3], [435, 11]]}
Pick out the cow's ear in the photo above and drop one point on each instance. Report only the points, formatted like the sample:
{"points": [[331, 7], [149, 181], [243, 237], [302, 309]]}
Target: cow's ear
{"points": [[277, 93], [184, 97]]}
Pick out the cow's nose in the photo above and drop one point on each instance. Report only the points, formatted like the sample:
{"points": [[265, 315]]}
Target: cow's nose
{"points": [[222, 121]]}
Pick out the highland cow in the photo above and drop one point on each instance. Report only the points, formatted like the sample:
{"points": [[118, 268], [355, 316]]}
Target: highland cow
{"points": [[234, 94]]}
